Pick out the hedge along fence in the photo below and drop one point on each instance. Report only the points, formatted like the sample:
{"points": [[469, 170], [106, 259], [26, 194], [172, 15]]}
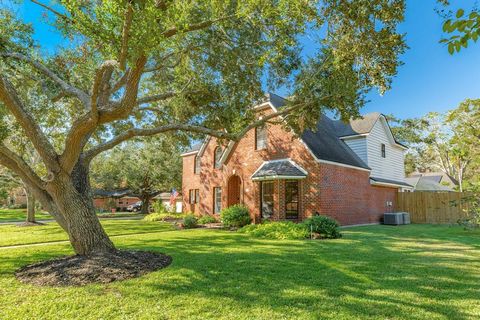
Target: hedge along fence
{"points": [[434, 207]]}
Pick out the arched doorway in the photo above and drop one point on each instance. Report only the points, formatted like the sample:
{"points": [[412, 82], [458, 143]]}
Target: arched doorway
{"points": [[234, 190]]}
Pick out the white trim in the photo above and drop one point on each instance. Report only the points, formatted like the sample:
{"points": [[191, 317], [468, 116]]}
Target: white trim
{"points": [[262, 105], [297, 166], [387, 184], [353, 136], [278, 178], [204, 146], [189, 153], [227, 151]]}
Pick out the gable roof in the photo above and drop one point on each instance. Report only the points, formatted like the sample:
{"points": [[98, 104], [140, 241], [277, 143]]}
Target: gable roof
{"points": [[325, 145], [325, 142], [422, 183], [279, 169]]}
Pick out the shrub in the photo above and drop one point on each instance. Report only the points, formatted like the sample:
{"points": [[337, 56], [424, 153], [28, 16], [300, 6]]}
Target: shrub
{"points": [[235, 216], [159, 207], [285, 230], [207, 219], [190, 221], [326, 227], [163, 216]]}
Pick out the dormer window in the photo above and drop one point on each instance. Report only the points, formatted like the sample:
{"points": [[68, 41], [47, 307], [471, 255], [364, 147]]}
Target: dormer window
{"points": [[196, 167], [383, 151], [260, 138], [217, 157]]}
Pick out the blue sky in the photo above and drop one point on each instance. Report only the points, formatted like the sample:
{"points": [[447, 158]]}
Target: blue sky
{"points": [[429, 80]]}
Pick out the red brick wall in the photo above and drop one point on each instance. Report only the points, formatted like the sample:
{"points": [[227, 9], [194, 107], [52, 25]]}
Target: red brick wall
{"points": [[122, 203], [340, 192]]}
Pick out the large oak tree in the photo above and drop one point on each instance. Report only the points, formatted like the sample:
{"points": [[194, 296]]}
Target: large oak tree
{"points": [[137, 68]]}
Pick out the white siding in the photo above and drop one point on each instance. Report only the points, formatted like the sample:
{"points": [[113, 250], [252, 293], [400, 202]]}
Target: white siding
{"points": [[359, 146], [392, 166]]}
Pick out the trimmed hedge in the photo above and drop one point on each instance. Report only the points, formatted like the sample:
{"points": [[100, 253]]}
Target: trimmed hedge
{"points": [[235, 216]]}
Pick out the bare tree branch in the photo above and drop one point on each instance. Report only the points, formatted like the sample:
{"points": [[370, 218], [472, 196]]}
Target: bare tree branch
{"points": [[55, 12], [9, 96], [82, 96]]}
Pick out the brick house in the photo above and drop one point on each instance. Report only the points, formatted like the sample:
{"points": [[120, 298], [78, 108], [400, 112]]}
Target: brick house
{"points": [[350, 172]]}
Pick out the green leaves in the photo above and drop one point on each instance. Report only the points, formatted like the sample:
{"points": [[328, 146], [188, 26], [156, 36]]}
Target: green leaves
{"points": [[463, 30]]}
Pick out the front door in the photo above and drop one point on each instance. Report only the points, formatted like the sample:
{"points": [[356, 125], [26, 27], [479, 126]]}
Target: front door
{"points": [[234, 190]]}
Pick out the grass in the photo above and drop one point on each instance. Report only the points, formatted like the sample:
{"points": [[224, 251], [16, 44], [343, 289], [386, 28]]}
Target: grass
{"points": [[375, 272], [20, 215]]}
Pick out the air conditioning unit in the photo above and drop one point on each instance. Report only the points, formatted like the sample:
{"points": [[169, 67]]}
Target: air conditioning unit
{"points": [[406, 217], [394, 218]]}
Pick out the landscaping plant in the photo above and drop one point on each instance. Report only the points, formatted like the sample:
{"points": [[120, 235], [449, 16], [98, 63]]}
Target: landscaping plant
{"points": [[235, 216], [207, 219], [190, 221], [323, 226], [284, 230]]}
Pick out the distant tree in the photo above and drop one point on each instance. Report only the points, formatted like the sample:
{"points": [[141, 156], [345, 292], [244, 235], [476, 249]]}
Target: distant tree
{"points": [[145, 168]]}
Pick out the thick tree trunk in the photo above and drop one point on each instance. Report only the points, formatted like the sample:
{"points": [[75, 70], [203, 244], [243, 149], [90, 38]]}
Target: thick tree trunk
{"points": [[145, 204], [30, 205], [72, 196]]}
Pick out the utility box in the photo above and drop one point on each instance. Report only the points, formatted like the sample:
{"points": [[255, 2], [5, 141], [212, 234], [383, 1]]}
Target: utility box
{"points": [[406, 217], [393, 218]]}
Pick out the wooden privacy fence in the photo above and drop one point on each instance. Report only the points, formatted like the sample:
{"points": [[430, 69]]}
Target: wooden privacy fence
{"points": [[433, 207]]}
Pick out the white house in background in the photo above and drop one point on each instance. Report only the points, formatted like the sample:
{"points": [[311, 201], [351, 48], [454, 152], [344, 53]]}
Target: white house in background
{"points": [[372, 140], [165, 198]]}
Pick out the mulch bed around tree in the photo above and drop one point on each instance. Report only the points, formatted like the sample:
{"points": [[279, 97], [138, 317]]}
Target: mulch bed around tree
{"points": [[30, 224], [101, 268]]}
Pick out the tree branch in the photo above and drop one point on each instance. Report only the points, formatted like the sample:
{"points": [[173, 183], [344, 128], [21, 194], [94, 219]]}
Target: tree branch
{"points": [[125, 36], [9, 97], [17, 165], [82, 96], [90, 154], [197, 26]]}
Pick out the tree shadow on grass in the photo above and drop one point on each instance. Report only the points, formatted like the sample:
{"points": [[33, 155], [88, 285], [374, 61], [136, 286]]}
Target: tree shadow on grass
{"points": [[384, 279]]}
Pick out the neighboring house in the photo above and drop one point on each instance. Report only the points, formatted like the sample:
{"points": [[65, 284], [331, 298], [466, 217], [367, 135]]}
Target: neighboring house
{"points": [[350, 172], [440, 178], [165, 198], [118, 199], [431, 181], [17, 197]]}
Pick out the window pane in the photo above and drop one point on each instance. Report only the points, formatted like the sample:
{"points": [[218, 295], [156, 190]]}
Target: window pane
{"points": [[191, 196], [291, 199], [260, 138], [267, 200], [196, 168], [217, 202], [217, 157]]}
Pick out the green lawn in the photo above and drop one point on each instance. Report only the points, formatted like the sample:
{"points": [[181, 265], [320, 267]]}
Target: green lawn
{"points": [[377, 272], [20, 215]]}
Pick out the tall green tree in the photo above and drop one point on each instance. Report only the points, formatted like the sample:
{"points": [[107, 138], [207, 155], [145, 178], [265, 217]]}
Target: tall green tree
{"points": [[145, 168], [137, 68]]}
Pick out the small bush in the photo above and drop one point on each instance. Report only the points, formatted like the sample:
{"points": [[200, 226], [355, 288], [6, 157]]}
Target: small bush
{"points": [[159, 207], [235, 216], [324, 226], [190, 221], [207, 219], [163, 216], [285, 230]]}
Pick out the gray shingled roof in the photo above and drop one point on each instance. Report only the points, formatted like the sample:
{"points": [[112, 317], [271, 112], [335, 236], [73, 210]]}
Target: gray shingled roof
{"points": [[277, 169], [401, 183], [426, 184], [325, 145], [356, 126]]}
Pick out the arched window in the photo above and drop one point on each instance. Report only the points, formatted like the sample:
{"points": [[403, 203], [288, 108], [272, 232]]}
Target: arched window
{"points": [[196, 168], [260, 138], [217, 156]]}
